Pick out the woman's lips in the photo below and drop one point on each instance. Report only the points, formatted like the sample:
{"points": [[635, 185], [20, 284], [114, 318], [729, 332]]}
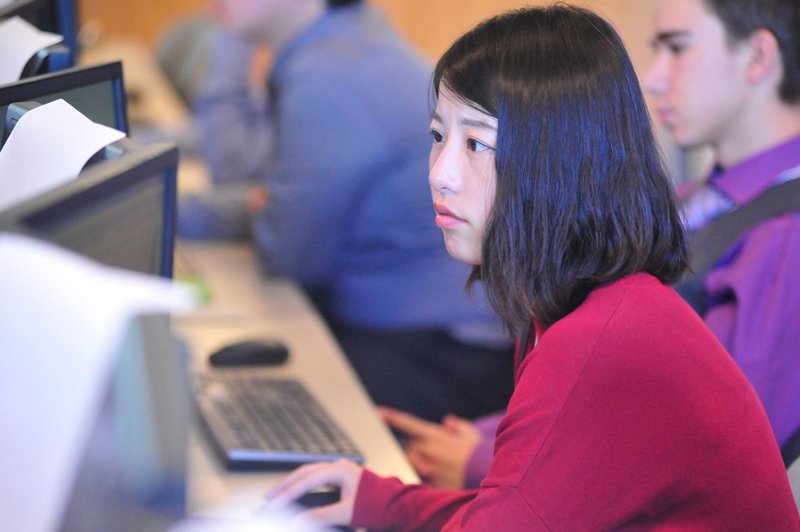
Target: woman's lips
{"points": [[445, 218]]}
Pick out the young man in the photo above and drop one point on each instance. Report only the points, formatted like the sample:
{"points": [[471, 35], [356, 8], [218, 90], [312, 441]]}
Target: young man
{"points": [[727, 74], [338, 145]]}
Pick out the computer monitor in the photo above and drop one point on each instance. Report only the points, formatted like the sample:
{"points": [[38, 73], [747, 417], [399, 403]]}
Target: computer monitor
{"points": [[120, 211], [96, 91], [54, 16], [132, 475], [50, 59]]}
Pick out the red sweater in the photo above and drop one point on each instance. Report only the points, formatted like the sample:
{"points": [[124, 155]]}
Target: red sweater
{"points": [[627, 414]]}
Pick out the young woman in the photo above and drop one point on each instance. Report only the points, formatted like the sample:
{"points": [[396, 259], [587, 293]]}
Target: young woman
{"points": [[627, 413]]}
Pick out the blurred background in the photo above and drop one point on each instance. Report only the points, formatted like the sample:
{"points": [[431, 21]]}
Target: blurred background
{"points": [[430, 24], [150, 38]]}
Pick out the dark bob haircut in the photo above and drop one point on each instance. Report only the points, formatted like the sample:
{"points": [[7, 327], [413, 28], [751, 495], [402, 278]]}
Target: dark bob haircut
{"points": [[781, 18], [582, 197]]}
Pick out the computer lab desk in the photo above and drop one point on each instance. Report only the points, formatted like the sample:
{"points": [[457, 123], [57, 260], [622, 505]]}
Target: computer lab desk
{"points": [[245, 305]]}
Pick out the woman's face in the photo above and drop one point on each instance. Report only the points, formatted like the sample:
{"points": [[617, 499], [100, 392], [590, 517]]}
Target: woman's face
{"points": [[462, 174]]}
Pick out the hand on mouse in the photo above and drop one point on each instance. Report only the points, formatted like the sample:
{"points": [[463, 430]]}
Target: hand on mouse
{"points": [[342, 474]]}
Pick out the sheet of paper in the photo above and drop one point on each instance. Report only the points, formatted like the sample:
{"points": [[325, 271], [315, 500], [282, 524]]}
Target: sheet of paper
{"points": [[47, 147], [19, 40], [62, 317]]}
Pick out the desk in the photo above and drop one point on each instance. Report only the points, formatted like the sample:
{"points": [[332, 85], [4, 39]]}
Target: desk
{"points": [[245, 305]]}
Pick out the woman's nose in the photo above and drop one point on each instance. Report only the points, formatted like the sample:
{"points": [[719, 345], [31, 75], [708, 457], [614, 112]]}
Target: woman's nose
{"points": [[444, 165]]}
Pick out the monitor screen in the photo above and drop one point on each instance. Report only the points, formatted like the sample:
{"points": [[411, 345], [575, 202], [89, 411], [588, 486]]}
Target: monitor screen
{"points": [[120, 211], [54, 16], [96, 91]]}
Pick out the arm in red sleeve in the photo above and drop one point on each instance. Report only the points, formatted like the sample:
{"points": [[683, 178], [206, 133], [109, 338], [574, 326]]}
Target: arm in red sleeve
{"points": [[386, 503]]}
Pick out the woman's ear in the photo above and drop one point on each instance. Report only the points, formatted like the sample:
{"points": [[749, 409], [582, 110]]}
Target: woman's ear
{"points": [[765, 57]]}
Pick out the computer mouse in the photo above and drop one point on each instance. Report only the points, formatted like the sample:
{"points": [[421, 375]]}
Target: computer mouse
{"points": [[261, 352], [311, 499], [314, 499]]}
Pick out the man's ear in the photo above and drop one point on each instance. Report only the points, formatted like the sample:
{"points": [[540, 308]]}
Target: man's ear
{"points": [[765, 57]]}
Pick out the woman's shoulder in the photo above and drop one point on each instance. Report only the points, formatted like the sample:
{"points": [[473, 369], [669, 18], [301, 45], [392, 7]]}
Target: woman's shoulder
{"points": [[631, 329], [640, 298], [646, 386]]}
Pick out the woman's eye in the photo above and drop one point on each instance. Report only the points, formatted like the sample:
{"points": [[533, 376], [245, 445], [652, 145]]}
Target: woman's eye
{"points": [[476, 145], [437, 137]]}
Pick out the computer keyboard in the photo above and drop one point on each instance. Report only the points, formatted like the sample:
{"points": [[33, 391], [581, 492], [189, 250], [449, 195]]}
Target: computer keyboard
{"points": [[259, 422]]}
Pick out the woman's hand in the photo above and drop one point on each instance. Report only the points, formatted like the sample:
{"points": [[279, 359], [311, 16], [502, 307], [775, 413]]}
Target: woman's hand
{"points": [[439, 453], [342, 474]]}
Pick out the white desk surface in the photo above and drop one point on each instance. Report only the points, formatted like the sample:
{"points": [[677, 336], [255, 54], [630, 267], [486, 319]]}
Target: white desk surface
{"points": [[244, 305]]}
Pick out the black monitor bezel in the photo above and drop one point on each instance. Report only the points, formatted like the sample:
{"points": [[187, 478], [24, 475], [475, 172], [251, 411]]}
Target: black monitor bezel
{"points": [[29, 89], [94, 183]]}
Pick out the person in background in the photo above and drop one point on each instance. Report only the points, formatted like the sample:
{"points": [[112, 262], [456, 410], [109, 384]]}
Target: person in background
{"points": [[725, 74], [336, 156], [453, 454], [616, 421]]}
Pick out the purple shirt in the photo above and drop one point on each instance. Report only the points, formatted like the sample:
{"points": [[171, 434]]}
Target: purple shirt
{"points": [[754, 289], [481, 457]]}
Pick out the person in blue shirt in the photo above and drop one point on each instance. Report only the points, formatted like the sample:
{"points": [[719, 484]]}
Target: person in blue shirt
{"points": [[333, 158]]}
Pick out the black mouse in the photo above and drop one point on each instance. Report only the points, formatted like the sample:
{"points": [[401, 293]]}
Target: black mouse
{"points": [[250, 353], [314, 499], [311, 499]]}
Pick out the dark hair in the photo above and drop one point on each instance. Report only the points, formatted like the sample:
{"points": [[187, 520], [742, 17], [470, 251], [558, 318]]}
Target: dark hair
{"points": [[781, 18], [341, 3], [582, 197]]}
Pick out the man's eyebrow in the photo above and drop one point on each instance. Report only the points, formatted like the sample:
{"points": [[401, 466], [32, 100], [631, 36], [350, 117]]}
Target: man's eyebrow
{"points": [[668, 36]]}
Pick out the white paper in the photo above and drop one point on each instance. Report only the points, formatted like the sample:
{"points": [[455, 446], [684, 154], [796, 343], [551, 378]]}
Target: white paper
{"points": [[48, 146], [62, 317], [19, 40]]}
